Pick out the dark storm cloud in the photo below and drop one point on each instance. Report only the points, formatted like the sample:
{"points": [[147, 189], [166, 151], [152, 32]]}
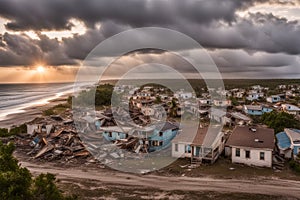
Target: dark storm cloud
{"points": [[55, 14], [22, 50], [213, 23]]}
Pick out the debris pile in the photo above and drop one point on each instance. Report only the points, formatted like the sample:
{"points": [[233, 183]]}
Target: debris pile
{"points": [[61, 144], [53, 138]]}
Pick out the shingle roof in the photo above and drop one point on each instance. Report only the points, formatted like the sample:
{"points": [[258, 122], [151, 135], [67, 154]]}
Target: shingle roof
{"points": [[245, 137], [203, 136]]}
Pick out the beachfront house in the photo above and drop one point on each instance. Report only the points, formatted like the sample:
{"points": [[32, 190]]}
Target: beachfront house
{"points": [[156, 137], [251, 146], [256, 109], [202, 145], [288, 142], [162, 136]]}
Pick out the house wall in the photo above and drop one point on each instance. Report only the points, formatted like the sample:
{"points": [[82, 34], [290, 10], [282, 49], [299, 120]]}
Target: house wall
{"points": [[166, 138], [296, 150], [254, 112], [267, 110], [180, 152], [113, 136], [254, 157]]}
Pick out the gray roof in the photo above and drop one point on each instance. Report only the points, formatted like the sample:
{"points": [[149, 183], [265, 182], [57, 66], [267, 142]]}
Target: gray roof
{"points": [[198, 136]]}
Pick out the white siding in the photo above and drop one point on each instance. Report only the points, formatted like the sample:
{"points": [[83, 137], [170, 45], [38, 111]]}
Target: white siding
{"points": [[254, 157], [180, 152]]}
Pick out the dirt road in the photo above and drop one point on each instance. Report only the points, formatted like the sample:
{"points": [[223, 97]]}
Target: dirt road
{"points": [[288, 188]]}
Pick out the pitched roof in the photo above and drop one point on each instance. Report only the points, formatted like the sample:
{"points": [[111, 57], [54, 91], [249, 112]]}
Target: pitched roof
{"points": [[253, 107], [238, 115], [243, 136], [293, 134], [203, 136]]}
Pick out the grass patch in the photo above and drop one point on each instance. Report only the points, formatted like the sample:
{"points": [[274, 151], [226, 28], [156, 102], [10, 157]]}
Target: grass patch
{"points": [[57, 109]]}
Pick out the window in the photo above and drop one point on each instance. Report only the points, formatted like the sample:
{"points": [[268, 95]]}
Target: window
{"points": [[247, 154], [109, 134], [188, 149], [237, 152], [157, 143], [262, 156], [176, 147], [160, 134]]}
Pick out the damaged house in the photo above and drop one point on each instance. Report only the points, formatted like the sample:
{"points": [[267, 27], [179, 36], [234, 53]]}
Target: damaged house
{"points": [[149, 139], [251, 146], [204, 145], [288, 142]]}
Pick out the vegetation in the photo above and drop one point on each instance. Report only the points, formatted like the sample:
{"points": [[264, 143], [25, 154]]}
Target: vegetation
{"points": [[99, 96], [234, 101], [13, 131], [17, 182], [57, 109], [280, 120], [295, 166]]}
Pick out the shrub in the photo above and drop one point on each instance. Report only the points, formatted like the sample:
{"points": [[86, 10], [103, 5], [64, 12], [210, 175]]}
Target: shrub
{"points": [[17, 183]]}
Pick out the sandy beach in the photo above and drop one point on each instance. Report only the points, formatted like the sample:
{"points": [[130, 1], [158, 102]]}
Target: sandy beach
{"points": [[30, 113]]}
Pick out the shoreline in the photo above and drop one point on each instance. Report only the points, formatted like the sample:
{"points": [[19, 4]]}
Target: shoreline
{"points": [[30, 113]]}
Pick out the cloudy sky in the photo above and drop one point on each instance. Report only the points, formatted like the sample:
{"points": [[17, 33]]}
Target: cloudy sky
{"points": [[245, 38]]}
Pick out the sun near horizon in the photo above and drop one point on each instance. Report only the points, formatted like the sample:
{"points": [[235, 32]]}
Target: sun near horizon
{"points": [[40, 69]]}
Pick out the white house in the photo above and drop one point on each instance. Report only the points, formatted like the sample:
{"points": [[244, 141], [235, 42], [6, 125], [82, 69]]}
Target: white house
{"points": [[291, 109], [222, 103], [251, 146], [183, 95], [202, 145], [219, 115], [205, 101]]}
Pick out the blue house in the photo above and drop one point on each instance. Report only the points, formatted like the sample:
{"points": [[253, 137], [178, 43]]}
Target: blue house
{"points": [[276, 98], [256, 109], [161, 138], [113, 133], [288, 142], [156, 137]]}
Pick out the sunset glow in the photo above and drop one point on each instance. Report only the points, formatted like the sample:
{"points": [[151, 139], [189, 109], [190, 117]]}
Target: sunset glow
{"points": [[40, 69]]}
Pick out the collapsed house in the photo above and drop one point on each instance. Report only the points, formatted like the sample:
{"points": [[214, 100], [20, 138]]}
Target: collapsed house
{"points": [[288, 142], [53, 138], [141, 139]]}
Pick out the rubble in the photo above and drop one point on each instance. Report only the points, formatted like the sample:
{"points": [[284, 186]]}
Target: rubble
{"points": [[53, 138]]}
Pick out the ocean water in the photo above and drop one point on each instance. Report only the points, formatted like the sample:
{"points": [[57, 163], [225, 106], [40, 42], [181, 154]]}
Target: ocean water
{"points": [[14, 98]]}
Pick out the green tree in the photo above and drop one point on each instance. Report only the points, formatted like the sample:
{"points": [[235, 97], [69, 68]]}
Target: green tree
{"points": [[16, 182], [280, 120]]}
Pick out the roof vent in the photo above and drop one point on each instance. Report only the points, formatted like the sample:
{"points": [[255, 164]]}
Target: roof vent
{"points": [[258, 141]]}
